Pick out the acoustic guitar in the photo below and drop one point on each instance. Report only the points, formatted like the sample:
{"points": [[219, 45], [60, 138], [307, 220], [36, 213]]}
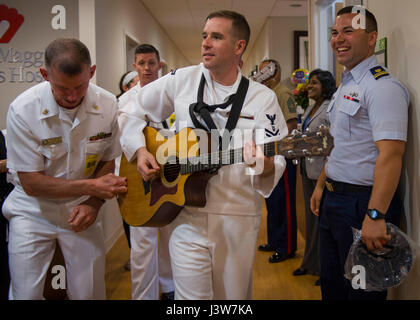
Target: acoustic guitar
{"points": [[185, 171]]}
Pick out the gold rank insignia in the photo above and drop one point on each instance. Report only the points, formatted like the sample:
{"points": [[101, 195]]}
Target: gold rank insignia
{"points": [[95, 107], [51, 141], [45, 112], [379, 72]]}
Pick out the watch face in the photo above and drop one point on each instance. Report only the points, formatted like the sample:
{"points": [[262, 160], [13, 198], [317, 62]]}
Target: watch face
{"points": [[375, 214]]}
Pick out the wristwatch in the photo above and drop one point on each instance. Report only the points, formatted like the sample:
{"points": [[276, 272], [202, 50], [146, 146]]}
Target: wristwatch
{"points": [[375, 214]]}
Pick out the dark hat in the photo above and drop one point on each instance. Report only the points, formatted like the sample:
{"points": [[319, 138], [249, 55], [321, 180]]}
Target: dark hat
{"points": [[385, 269]]}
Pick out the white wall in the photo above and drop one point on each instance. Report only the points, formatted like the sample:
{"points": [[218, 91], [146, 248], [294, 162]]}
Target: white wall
{"points": [[32, 37], [282, 42], [398, 21], [276, 42], [114, 19], [258, 52]]}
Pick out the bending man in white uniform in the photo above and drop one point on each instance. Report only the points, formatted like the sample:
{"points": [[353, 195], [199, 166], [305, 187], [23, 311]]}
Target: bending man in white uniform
{"points": [[212, 248], [63, 138], [149, 258]]}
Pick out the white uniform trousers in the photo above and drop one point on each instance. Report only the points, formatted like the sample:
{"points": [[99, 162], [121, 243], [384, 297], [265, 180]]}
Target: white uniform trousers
{"points": [[150, 262], [212, 255], [31, 249]]}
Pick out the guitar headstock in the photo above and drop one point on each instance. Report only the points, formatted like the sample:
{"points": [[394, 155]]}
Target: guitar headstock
{"points": [[265, 73], [317, 143]]}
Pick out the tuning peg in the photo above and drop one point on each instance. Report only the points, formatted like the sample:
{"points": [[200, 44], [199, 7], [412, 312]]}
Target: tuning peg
{"points": [[306, 152], [291, 153], [295, 162]]}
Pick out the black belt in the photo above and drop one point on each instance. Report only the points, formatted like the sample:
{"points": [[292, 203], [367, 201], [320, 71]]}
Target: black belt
{"points": [[342, 187]]}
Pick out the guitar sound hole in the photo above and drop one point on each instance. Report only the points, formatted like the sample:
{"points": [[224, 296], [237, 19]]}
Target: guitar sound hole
{"points": [[171, 170]]}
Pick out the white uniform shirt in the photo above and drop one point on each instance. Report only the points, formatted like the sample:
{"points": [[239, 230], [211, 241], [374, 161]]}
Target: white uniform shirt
{"points": [[131, 94], [41, 138], [231, 191], [128, 95]]}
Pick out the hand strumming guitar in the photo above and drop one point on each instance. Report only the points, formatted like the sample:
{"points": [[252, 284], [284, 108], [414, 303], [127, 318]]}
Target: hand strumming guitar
{"points": [[146, 164], [253, 156]]}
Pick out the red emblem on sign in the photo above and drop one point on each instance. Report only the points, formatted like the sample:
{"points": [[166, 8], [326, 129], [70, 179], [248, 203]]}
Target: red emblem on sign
{"points": [[10, 22]]}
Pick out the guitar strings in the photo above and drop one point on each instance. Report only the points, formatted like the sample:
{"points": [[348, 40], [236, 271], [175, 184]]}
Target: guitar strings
{"points": [[221, 158], [224, 157]]}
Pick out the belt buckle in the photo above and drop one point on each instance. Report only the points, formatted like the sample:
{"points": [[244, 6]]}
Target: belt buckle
{"points": [[329, 186]]}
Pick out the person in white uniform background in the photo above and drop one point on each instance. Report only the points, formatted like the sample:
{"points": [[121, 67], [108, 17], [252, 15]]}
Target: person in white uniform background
{"points": [[213, 248], [63, 138], [149, 256]]}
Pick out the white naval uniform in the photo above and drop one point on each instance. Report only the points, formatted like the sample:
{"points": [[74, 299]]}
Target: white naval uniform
{"points": [[212, 248], [41, 138], [150, 262]]}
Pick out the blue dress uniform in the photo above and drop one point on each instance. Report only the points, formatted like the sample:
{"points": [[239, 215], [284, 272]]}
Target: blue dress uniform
{"points": [[281, 213], [281, 204], [370, 105]]}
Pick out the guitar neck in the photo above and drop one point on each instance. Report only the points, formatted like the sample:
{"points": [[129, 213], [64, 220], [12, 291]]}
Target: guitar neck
{"points": [[295, 145], [222, 158]]}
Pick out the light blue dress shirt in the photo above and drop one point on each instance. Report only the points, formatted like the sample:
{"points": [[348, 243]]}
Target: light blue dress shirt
{"points": [[370, 105]]}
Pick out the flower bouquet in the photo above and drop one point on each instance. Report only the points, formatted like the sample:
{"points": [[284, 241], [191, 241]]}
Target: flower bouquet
{"points": [[300, 93]]}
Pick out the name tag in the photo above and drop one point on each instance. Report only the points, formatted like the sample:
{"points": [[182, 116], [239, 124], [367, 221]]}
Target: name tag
{"points": [[91, 161]]}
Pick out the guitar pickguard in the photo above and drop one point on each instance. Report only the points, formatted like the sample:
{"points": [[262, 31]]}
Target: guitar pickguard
{"points": [[146, 185], [159, 189]]}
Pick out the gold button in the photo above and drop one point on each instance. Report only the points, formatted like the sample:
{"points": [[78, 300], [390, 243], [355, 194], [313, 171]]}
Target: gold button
{"points": [[45, 111], [95, 107]]}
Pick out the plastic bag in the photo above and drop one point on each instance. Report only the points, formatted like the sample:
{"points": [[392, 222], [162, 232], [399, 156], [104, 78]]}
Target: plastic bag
{"points": [[378, 271]]}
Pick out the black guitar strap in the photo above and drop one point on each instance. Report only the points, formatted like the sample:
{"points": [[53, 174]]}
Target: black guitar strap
{"points": [[204, 110]]}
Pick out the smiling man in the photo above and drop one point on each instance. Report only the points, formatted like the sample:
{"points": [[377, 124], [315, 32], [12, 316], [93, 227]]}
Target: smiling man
{"points": [[368, 116], [62, 138], [212, 248]]}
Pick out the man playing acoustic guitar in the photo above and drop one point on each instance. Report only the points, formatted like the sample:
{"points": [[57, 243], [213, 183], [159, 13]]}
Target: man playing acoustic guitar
{"points": [[213, 247]]}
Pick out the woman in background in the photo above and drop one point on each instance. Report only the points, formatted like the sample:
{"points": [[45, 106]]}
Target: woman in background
{"points": [[321, 88], [127, 81]]}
